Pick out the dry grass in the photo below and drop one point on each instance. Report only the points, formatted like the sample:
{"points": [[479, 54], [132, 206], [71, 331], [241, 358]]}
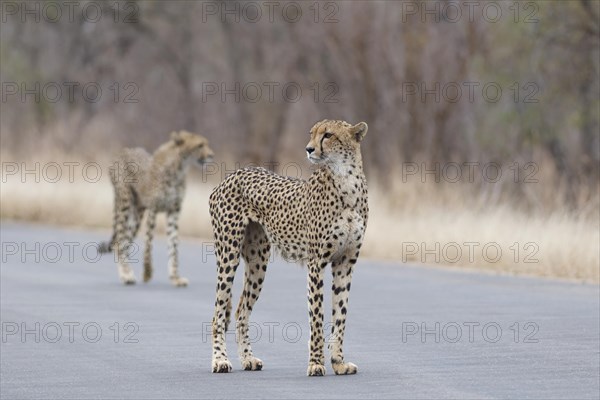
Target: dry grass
{"points": [[557, 245], [416, 223], [86, 204]]}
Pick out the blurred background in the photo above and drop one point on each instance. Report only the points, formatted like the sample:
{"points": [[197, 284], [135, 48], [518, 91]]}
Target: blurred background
{"points": [[483, 116]]}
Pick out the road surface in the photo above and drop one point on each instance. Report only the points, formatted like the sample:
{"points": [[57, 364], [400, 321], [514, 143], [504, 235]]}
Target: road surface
{"points": [[70, 330]]}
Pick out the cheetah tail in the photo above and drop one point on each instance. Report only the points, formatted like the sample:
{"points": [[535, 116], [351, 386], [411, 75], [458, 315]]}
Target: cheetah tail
{"points": [[106, 247]]}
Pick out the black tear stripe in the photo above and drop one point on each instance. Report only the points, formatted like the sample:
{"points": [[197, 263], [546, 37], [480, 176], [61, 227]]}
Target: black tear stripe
{"points": [[321, 144]]}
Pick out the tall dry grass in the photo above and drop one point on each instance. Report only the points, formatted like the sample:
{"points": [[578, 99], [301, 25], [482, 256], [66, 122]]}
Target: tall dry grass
{"points": [[462, 225]]}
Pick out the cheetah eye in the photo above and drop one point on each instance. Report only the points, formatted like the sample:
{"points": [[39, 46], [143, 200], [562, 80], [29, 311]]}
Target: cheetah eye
{"points": [[328, 135], [201, 145]]}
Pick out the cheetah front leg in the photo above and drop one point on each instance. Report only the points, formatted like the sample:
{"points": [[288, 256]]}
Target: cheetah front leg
{"points": [[173, 235], [316, 358], [342, 278]]}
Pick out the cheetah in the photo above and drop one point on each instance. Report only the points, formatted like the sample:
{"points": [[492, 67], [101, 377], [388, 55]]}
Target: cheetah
{"points": [[152, 183], [319, 221]]}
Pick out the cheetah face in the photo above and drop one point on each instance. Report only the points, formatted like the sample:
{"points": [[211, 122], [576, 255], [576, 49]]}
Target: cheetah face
{"points": [[194, 148], [334, 142]]}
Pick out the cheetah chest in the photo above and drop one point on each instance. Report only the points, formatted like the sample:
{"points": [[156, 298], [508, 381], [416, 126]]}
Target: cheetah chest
{"points": [[170, 197], [347, 233]]}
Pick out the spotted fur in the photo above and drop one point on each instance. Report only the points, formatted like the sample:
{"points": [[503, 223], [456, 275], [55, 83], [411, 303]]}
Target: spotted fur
{"points": [[152, 183], [319, 221]]}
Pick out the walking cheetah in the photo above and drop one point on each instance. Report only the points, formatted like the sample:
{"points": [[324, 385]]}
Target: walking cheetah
{"points": [[153, 183], [319, 221]]}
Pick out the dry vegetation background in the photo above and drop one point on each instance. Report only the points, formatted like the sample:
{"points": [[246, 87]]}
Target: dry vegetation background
{"points": [[423, 77]]}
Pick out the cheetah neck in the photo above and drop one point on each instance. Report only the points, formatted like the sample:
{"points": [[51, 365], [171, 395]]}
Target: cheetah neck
{"points": [[172, 167], [348, 180], [180, 170]]}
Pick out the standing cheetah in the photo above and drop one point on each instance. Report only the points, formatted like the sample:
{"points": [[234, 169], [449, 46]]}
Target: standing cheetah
{"points": [[153, 183], [321, 220]]}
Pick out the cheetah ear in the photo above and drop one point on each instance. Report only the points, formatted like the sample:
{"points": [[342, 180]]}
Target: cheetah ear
{"points": [[359, 131], [177, 138]]}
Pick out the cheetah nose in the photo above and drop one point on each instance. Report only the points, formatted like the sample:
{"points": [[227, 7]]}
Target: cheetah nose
{"points": [[309, 150]]}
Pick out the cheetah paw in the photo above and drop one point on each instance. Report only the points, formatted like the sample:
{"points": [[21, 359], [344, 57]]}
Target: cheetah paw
{"points": [[252, 364], [219, 366], [128, 278], [315, 370], [180, 281], [344, 368]]}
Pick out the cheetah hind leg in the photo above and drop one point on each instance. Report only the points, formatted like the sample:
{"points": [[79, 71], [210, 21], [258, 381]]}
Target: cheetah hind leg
{"points": [[255, 251], [124, 238], [227, 263]]}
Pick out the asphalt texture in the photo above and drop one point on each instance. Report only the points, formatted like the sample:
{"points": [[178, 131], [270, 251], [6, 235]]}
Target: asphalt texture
{"points": [[71, 330]]}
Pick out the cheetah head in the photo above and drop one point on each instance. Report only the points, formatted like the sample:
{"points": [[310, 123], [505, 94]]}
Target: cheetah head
{"points": [[333, 142], [192, 147]]}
